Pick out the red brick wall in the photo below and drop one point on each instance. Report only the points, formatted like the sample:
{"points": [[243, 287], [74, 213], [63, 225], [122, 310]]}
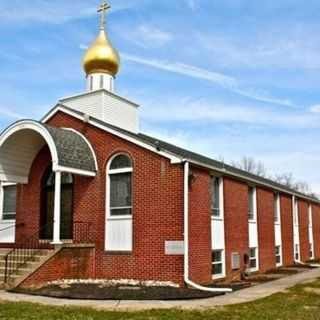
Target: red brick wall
{"points": [[316, 229], [266, 238], [200, 264], [157, 207], [236, 221], [28, 198], [287, 229], [158, 213], [304, 230], [69, 263]]}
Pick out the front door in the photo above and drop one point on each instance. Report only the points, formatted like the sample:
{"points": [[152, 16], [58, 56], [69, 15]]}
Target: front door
{"points": [[46, 221]]}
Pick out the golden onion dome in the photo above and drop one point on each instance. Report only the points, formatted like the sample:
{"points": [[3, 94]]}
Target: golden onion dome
{"points": [[101, 57]]}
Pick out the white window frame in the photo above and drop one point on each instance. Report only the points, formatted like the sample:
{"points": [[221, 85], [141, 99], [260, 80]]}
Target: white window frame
{"points": [[222, 262], [109, 217], [277, 212], [221, 206], [2, 186], [296, 230], [113, 172], [278, 264], [256, 258], [254, 205]]}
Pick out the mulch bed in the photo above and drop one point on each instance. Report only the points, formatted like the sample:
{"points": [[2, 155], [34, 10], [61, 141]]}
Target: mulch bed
{"points": [[98, 292]]}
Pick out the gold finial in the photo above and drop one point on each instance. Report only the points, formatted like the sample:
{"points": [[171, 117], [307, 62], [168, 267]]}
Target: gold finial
{"points": [[104, 7], [101, 57]]}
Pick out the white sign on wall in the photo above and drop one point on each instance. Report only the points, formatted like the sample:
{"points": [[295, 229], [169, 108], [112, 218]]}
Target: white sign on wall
{"points": [[174, 247]]}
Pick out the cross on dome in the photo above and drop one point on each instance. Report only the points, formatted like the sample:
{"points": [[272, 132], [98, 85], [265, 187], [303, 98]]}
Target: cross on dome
{"points": [[104, 7]]}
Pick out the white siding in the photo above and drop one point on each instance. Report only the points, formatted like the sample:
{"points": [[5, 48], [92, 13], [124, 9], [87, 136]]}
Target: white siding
{"points": [[119, 234], [217, 234], [18, 153], [253, 235], [277, 229], [107, 107], [7, 231], [7, 235], [296, 237]]}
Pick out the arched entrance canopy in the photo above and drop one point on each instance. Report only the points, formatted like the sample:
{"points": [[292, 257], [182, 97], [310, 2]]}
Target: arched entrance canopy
{"points": [[20, 143]]}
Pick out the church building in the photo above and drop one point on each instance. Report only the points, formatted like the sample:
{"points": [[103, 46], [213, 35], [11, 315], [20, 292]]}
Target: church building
{"points": [[85, 195]]}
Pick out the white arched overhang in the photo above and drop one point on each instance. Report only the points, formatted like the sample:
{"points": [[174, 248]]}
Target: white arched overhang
{"points": [[22, 141], [70, 152]]}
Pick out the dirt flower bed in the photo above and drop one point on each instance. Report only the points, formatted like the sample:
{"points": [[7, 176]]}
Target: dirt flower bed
{"points": [[96, 291]]}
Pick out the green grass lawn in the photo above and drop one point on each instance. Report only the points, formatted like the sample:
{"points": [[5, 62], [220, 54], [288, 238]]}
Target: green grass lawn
{"points": [[300, 302]]}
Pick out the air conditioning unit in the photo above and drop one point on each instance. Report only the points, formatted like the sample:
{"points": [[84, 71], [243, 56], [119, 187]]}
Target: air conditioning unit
{"points": [[235, 260]]}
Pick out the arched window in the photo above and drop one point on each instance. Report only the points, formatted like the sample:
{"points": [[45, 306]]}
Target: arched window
{"points": [[120, 186], [119, 222]]}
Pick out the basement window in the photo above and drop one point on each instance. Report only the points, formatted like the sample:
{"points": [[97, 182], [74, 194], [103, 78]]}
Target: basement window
{"points": [[253, 260], [9, 202], [278, 255], [297, 252], [217, 263], [215, 197], [311, 254]]}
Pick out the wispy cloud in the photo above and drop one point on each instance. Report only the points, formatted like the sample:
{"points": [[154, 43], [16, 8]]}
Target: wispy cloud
{"points": [[149, 36], [7, 112], [315, 108], [199, 111], [220, 79]]}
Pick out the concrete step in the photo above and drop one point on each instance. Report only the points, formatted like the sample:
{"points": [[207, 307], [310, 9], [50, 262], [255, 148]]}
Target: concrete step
{"points": [[24, 269], [29, 264]]}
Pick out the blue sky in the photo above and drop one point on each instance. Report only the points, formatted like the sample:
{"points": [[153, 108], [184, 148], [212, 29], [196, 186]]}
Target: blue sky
{"points": [[225, 78]]}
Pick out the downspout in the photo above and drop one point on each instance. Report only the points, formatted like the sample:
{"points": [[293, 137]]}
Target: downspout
{"points": [[186, 238]]}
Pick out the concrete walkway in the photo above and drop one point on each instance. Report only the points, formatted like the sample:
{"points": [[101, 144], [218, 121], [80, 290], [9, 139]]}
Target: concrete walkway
{"points": [[241, 296]]}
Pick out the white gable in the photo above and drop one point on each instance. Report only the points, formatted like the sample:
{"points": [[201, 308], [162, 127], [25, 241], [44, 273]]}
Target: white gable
{"points": [[107, 107]]}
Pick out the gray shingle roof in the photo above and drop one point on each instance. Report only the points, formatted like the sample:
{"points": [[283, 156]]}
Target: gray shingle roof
{"points": [[199, 159], [73, 151]]}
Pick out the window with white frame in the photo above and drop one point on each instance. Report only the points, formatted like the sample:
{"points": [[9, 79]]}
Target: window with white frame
{"points": [[9, 196], [251, 203], [296, 252], [253, 259], [311, 254], [278, 255], [120, 175], [215, 196], [276, 208], [296, 212], [217, 263], [310, 215]]}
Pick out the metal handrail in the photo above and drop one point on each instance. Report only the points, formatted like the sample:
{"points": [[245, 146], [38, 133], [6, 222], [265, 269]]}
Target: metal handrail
{"points": [[17, 257]]}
